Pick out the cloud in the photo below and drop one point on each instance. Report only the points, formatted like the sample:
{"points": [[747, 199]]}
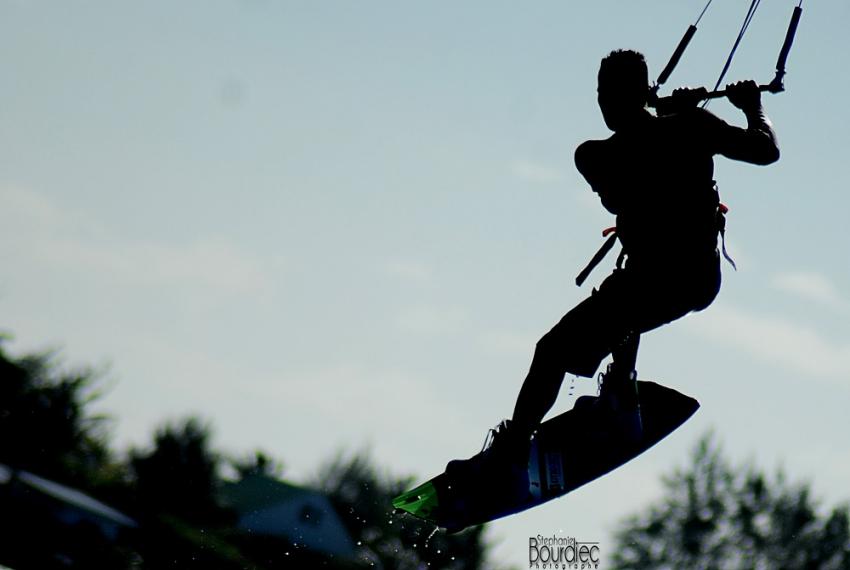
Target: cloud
{"points": [[775, 340], [24, 212], [811, 287], [433, 320], [351, 400], [408, 270], [508, 342], [330, 392], [209, 266], [40, 237], [535, 171]]}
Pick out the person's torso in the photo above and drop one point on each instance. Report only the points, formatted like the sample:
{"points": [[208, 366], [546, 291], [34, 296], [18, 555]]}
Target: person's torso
{"points": [[668, 201]]}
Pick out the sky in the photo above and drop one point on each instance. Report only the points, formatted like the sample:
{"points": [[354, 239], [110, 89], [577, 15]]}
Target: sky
{"points": [[341, 226]]}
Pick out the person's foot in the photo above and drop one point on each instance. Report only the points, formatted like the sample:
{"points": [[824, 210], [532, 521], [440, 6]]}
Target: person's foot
{"points": [[505, 451], [617, 399], [618, 388], [501, 465], [619, 392]]}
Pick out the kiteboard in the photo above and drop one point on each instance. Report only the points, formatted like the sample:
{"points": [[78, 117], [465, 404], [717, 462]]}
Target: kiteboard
{"points": [[567, 451]]}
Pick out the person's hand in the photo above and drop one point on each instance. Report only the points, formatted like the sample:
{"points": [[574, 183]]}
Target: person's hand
{"points": [[682, 99], [689, 97], [745, 95]]}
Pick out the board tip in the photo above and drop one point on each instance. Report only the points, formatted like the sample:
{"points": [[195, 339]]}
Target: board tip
{"points": [[420, 501]]}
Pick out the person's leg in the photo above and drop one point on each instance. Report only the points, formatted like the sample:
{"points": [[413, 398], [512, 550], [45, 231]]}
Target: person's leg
{"points": [[625, 303], [618, 394], [624, 354], [619, 384], [577, 344], [654, 297], [628, 303]]}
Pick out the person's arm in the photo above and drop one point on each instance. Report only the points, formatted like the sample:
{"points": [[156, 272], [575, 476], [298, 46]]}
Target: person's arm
{"points": [[757, 143], [589, 162]]}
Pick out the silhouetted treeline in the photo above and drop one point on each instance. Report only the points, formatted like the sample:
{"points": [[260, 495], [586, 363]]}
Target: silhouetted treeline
{"points": [[70, 501], [716, 515]]}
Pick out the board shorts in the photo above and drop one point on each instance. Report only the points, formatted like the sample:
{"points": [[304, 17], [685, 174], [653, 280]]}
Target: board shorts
{"points": [[634, 299]]}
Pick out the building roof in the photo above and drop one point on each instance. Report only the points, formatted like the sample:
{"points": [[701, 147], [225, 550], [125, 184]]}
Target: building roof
{"points": [[75, 505], [275, 508]]}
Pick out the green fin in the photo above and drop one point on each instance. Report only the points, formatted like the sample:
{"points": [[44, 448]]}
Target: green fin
{"points": [[419, 502]]}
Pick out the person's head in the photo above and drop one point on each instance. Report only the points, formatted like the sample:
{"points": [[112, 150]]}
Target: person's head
{"points": [[623, 87]]}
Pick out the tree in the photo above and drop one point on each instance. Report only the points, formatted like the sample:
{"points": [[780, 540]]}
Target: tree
{"points": [[715, 515], [258, 463], [394, 541], [172, 491], [45, 426], [175, 498], [180, 475]]}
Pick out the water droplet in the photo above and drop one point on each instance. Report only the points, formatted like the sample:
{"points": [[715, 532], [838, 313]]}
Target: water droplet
{"points": [[430, 536]]}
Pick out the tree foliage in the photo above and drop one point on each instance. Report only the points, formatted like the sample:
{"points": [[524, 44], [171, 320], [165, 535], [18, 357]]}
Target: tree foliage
{"points": [[180, 475], [715, 515], [258, 463], [172, 490], [45, 424]]}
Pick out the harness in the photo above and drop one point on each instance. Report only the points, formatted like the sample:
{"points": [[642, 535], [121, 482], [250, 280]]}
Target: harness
{"points": [[721, 210]]}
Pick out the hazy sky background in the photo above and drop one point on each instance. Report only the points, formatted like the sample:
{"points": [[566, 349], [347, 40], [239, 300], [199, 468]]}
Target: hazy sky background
{"points": [[343, 225]]}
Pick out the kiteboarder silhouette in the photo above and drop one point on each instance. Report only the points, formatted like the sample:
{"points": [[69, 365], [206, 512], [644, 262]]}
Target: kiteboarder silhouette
{"points": [[655, 173]]}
